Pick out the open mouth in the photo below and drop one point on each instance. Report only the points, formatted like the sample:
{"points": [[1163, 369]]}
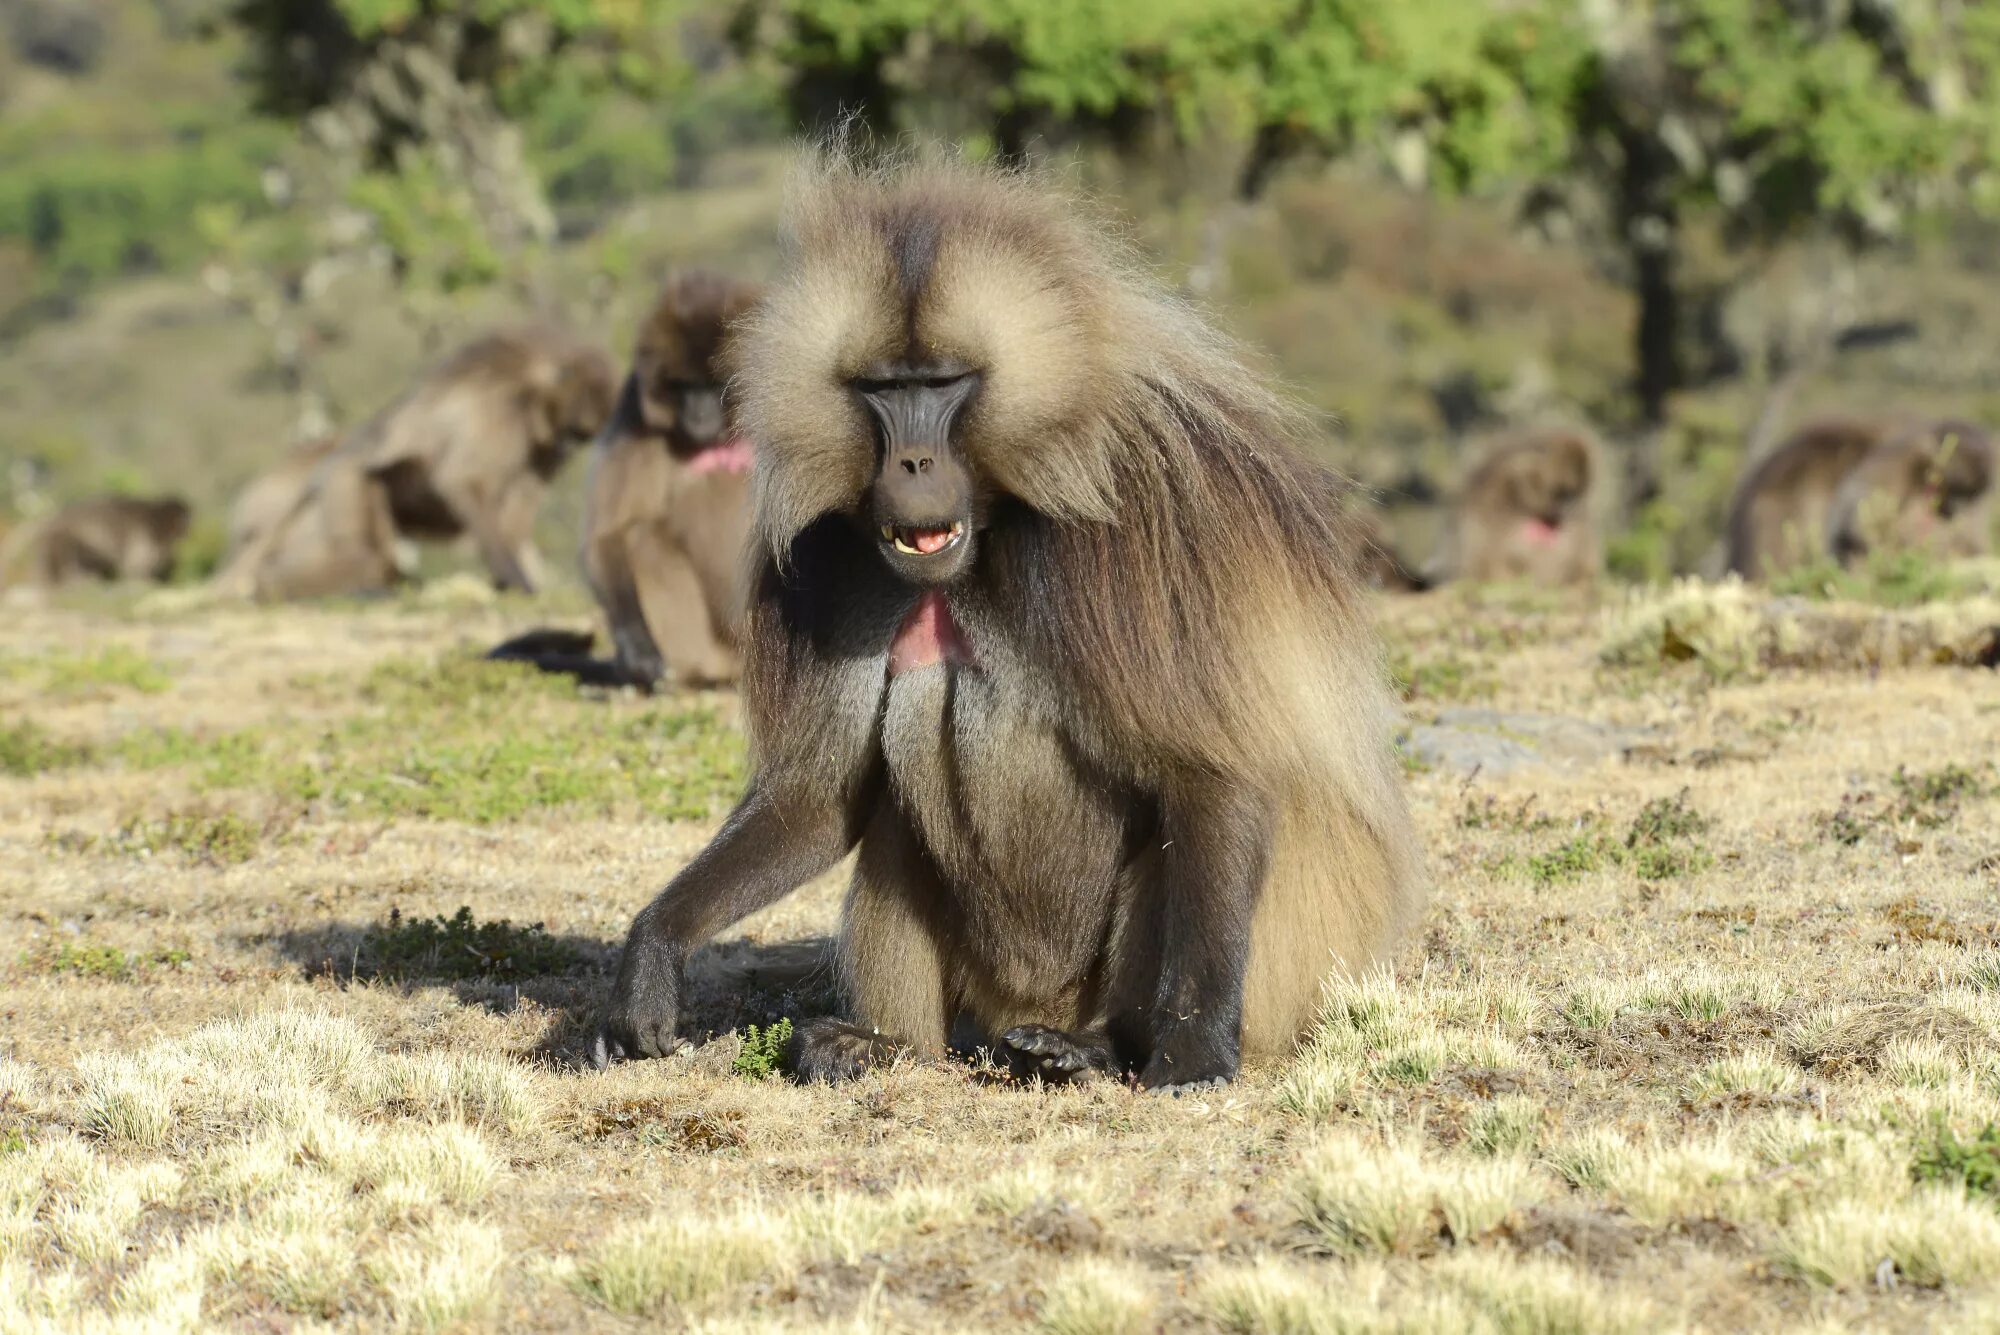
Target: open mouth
{"points": [[922, 541]]}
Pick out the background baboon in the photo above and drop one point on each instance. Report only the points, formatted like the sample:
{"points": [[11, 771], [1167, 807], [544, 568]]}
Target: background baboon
{"points": [[1053, 619], [1377, 563], [1840, 486], [469, 450], [104, 538], [1525, 511], [667, 509], [270, 498]]}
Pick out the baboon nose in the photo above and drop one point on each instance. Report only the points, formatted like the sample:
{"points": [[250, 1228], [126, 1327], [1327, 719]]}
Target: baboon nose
{"points": [[916, 464]]}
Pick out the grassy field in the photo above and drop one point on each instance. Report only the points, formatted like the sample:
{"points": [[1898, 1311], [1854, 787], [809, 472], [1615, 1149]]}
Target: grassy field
{"points": [[307, 913]]}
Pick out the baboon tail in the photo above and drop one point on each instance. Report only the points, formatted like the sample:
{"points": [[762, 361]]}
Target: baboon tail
{"points": [[566, 652]]}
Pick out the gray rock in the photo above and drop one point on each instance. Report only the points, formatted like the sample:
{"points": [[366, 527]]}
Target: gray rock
{"points": [[1496, 742]]}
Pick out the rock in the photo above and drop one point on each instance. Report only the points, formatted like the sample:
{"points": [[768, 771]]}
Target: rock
{"points": [[1493, 741]]}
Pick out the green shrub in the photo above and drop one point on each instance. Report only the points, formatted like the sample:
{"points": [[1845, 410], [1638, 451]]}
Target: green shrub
{"points": [[459, 947], [763, 1051]]}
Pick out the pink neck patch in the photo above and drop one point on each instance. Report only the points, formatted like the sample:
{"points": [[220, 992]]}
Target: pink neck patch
{"points": [[1539, 532], [928, 637], [730, 456]]}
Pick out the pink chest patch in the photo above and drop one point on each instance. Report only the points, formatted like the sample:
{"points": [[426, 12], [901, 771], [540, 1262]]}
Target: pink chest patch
{"points": [[1539, 532], [730, 456], [928, 637]]}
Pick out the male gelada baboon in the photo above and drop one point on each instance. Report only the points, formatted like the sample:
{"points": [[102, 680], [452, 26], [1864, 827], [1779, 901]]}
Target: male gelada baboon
{"points": [[1053, 618], [470, 449], [104, 538], [1525, 511], [667, 512], [1843, 486]]}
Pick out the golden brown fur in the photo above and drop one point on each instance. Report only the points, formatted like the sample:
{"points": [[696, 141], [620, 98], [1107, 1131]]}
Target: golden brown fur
{"points": [[664, 528], [105, 538], [1840, 486], [470, 449], [1526, 511], [1166, 644], [269, 499]]}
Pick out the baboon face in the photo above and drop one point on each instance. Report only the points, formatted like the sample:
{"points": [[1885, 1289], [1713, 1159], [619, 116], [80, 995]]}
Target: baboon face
{"points": [[1546, 485], [1958, 469], [925, 361], [679, 358], [170, 519], [585, 394]]}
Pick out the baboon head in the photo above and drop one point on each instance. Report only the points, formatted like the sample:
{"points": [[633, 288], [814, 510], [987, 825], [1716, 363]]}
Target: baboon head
{"points": [[585, 390], [170, 517], [1927, 488], [678, 360], [936, 348], [1544, 480]]}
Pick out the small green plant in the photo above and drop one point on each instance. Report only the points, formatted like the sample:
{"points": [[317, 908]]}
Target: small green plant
{"points": [[1973, 1163], [1933, 797], [1898, 578], [1446, 678], [459, 947], [763, 1051], [1662, 843]]}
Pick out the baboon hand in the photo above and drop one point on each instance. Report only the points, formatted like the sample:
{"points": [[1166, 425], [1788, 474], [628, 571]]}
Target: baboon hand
{"points": [[1054, 1056], [644, 1010], [827, 1051]]}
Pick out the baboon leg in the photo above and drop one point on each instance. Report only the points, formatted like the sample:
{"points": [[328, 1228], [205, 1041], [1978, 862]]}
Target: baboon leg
{"points": [[892, 963], [674, 608], [609, 566], [485, 518]]}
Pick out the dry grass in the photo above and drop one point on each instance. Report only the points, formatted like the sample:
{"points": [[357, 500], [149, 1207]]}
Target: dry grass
{"points": [[236, 1090]]}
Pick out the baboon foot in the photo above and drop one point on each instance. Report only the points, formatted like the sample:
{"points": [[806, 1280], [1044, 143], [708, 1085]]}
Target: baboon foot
{"points": [[826, 1051], [1055, 1056]]}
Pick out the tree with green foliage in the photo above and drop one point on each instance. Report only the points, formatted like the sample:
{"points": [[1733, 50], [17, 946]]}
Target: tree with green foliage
{"points": [[1621, 118]]}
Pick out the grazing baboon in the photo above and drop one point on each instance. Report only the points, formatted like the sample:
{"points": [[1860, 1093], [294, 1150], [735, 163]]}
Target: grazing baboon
{"points": [[1054, 619], [667, 510], [104, 538], [1924, 489], [1526, 511], [1842, 486], [470, 449]]}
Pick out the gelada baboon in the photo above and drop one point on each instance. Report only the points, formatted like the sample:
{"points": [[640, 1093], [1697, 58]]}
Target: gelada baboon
{"points": [[270, 498], [104, 538], [1841, 486], [1525, 511], [470, 449], [1054, 619], [667, 511]]}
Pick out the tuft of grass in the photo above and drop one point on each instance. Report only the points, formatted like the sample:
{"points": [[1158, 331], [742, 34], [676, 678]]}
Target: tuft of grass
{"points": [[1891, 578], [1505, 1126], [1095, 1298], [212, 838], [645, 1268], [1936, 1237], [763, 1051], [1354, 1198], [459, 947], [1663, 842]]}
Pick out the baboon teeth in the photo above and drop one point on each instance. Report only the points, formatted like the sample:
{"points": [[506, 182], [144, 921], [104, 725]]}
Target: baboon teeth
{"points": [[922, 541]]}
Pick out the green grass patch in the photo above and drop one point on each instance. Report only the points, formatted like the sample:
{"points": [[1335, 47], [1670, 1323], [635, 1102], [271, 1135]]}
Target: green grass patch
{"points": [[460, 948], [1446, 678], [215, 838], [1904, 578], [84, 959], [27, 750], [763, 1051], [467, 740], [112, 667], [1926, 799], [1663, 842], [1973, 1164]]}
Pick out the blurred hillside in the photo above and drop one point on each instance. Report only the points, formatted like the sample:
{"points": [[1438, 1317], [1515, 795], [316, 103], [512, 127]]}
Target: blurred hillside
{"points": [[226, 227]]}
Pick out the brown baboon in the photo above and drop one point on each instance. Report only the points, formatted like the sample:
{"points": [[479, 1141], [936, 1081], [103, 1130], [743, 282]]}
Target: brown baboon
{"points": [[1841, 487], [1526, 511], [270, 498], [470, 449], [667, 512], [1052, 617], [104, 538]]}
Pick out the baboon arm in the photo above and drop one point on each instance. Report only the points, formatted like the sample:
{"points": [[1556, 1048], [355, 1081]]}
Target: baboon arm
{"points": [[632, 642], [768, 847], [501, 556], [1216, 849]]}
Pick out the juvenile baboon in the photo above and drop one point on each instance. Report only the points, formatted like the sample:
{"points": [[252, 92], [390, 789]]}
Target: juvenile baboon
{"points": [[470, 449], [1525, 511], [104, 538], [667, 510], [1054, 619], [1841, 485]]}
